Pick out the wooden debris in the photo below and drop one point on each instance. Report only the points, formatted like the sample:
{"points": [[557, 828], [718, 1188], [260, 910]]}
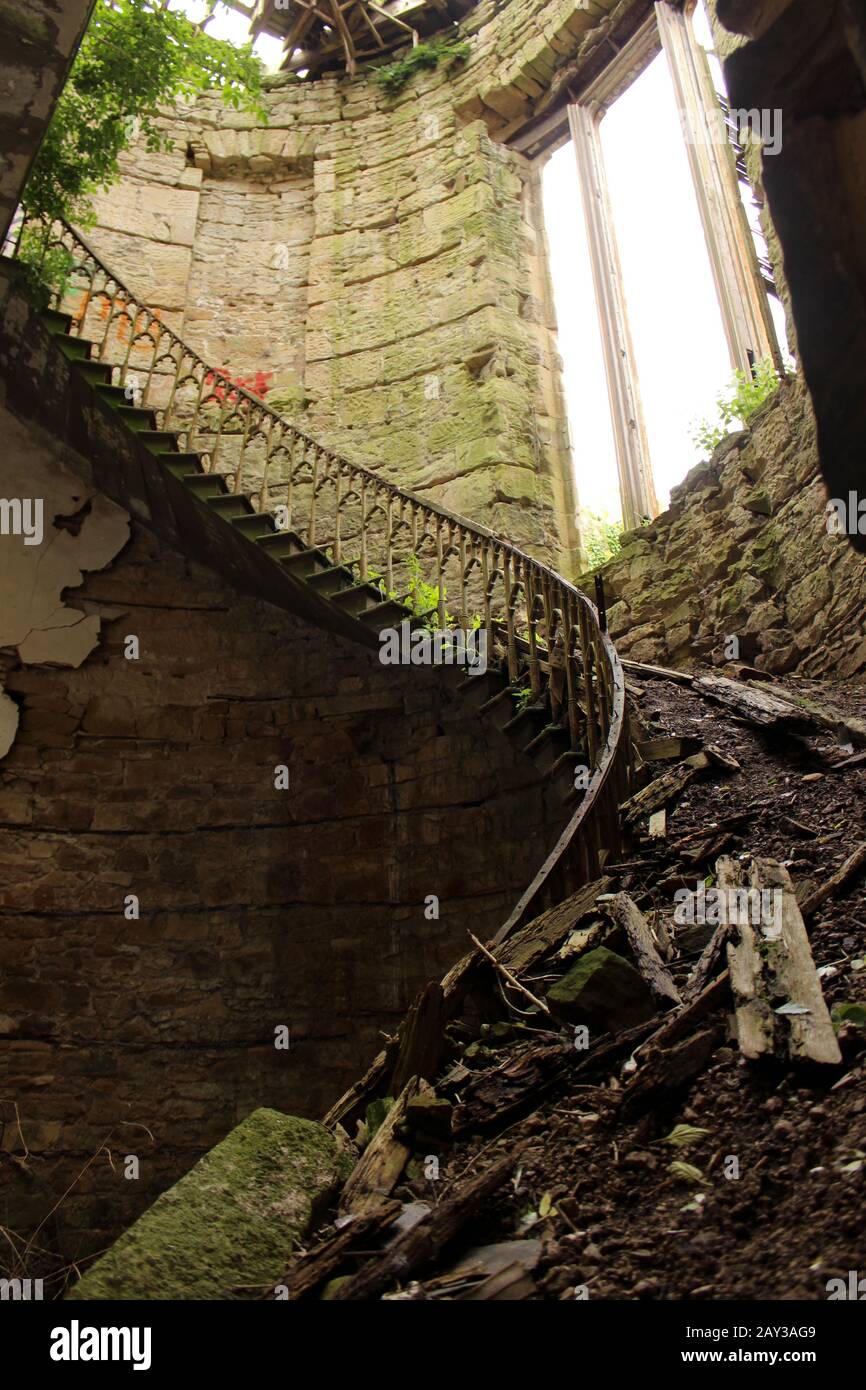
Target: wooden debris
{"points": [[658, 824], [528, 945], [709, 963], [757, 706], [668, 749], [853, 864], [797, 828], [314, 1268], [642, 668], [778, 998], [508, 977], [631, 920], [493, 1098], [721, 759], [422, 1038], [857, 760], [375, 1176], [663, 789], [352, 1103], [418, 1247], [668, 1068]]}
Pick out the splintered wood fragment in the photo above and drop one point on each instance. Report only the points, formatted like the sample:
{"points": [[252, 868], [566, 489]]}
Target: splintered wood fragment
{"points": [[508, 977], [422, 1038], [778, 1000], [318, 1265], [856, 760], [493, 1097], [709, 963], [663, 789], [658, 824], [419, 1246], [377, 1173], [622, 910], [666, 1069], [642, 668], [665, 750], [352, 1103], [722, 759], [758, 706], [852, 866], [528, 945]]}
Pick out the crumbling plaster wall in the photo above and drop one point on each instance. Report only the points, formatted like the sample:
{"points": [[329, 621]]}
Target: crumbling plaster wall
{"points": [[72, 530], [38, 39], [428, 345]]}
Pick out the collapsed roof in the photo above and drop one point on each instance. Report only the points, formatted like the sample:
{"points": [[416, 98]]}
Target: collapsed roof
{"points": [[333, 35]]}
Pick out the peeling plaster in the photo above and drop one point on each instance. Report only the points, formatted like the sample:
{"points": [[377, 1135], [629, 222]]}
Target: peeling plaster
{"points": [[34, 614]]}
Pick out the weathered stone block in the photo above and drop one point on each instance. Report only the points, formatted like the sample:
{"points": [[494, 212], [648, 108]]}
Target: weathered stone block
{"points": [[603, 991]]}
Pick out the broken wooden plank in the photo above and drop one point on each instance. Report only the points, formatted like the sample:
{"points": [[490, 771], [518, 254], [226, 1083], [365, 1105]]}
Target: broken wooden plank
{"points": [[658, 825], [528, 945], [779, 1004], [667, 1069], [757, 706], [851, 867], [663, 789], [667, 749], [422, 1038], [312, 1269], [642, 668], [377, 1173], [419, 1246], [494, 1097], [352, 1103], [623, 911], [708, 964]]}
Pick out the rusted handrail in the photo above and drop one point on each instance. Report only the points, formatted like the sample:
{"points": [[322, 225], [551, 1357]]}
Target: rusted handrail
{"points": [[545, 629]]}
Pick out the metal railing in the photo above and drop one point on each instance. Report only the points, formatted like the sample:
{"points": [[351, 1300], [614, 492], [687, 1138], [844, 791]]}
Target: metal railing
{"points": [[545, 631]]}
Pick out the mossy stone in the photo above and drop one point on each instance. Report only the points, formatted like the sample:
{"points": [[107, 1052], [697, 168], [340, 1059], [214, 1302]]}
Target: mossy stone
{"points": [[227, 1229], [603, 991]]}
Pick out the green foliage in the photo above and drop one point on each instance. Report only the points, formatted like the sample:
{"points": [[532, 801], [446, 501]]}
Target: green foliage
{"points": [[743, 395], [601, 537], [133, 59], [521, 698], [46, 268], [394, 76]]}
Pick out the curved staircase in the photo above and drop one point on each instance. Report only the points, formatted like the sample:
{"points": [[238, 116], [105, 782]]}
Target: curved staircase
{"points": [[303, 527]]}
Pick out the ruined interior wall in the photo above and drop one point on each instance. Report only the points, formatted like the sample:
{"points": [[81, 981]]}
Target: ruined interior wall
{"points": [[744, 551], [428, 347], [258, 907], [38, 39]]}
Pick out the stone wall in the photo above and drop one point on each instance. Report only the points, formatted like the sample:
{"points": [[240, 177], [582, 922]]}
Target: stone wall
{"points": [[395, 295], [154, 777], [744, 552]]}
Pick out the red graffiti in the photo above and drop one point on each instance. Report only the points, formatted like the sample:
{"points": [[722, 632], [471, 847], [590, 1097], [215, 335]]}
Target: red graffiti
{"points": [[257, 385]]}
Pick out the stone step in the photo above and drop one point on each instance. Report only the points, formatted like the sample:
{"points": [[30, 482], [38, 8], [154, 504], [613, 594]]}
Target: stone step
{"points": [[77, 349], [57, 322], [332, 580], [203, 485], [114, 395], [389, 613], [158, 441], [229, 505], [96, 373], [136, 417], [283, 544], [360, 599], [547, 746], [185, 465], [253, 524], [307, 564]]}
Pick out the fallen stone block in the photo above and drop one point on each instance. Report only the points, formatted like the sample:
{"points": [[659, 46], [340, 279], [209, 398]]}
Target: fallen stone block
{"points": [[226, 1230], [602, 991]]}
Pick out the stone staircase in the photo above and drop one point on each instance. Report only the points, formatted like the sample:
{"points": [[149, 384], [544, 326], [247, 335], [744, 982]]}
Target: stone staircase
{"points": [[554, 685], [528, 725]]}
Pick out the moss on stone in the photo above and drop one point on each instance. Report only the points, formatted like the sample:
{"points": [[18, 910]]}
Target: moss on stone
{"points": [[226, 1230]]}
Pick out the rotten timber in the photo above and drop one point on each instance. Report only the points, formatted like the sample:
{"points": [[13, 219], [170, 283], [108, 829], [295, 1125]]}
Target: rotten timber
{"points": [[778, 1000], [629, 918]]}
